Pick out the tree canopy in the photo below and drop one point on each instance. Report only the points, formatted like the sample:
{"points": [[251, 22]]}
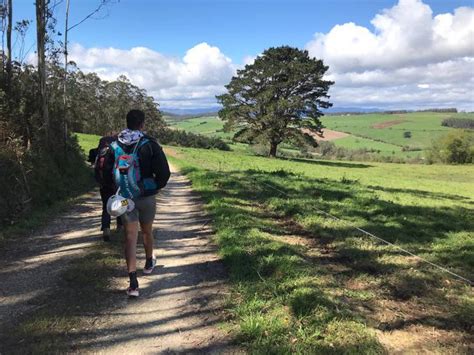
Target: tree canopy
{"points": [[277, 99]]}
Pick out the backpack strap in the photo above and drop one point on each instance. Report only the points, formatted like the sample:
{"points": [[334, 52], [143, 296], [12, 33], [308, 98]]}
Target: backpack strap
{"points": [[141, 142], [136, 145], [114, 145]]}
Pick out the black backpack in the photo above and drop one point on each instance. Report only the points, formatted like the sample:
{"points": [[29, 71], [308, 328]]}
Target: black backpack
{"points": [[104, 161], [92, 155]]}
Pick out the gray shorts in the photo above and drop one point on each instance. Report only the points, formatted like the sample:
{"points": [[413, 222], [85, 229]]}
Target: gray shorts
{"points": [[144, 211]]}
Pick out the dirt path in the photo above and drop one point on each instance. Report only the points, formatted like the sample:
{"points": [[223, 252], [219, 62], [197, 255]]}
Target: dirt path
{"points": [[30, 265], [179, 305]]}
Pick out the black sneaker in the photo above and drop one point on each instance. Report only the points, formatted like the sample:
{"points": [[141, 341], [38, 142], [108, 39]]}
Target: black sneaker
{"points": [[132, 291], [149, 265]]}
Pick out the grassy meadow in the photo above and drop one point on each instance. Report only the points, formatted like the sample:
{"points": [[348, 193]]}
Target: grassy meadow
{"points": [[87, 141], [390, 128], [306, 283], [208, 126], [380, 132]]}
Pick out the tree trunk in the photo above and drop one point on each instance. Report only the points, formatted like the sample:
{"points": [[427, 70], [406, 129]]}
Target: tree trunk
{"points": [[9, 46], [41, 13], [273, 150], [65, 77]]}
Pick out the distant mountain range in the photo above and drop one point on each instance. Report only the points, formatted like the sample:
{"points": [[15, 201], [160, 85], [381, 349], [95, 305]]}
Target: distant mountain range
{"points": [[212, 111], [209, 111], [339, 109]]}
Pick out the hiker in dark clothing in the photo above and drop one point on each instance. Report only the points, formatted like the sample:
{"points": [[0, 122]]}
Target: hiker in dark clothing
{"points": [[140, 169], [106, 182]]}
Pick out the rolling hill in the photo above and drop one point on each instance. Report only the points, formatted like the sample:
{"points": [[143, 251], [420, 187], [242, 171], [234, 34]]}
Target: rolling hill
{"points": [[403, 135]]}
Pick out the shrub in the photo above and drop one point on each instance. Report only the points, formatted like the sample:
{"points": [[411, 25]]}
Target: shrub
{"points": [[37, 178], [456, 147], [407, 134]]}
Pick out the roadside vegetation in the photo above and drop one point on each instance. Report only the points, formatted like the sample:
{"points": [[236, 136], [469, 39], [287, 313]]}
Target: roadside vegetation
{"points": [[306, 283]]}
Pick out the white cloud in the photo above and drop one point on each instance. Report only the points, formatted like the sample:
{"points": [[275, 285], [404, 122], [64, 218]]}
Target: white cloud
{"points": [[249, 59], [192, 81], [410, 58]]}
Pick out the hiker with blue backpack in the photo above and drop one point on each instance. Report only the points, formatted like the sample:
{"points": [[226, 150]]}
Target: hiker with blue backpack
{"points": [[140, 170]]}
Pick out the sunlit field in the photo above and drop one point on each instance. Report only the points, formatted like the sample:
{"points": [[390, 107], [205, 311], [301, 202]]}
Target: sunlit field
{"points": [[298, 275]]}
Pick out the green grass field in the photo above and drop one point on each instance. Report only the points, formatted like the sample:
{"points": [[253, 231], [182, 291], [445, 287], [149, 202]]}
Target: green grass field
{"points": [[306, 283], [424, 127], [208, 126], [353, 142], [87, 141], [387, 141]]}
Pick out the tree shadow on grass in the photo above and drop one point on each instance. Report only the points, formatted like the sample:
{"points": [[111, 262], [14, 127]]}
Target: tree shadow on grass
{"points": [[420, 193], [336, 164], [294, 196], [406, 225]]}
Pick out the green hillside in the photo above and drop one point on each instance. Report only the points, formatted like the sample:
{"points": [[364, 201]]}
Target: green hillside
{"points": [[208, 126], [390, 128], [380, 132]]}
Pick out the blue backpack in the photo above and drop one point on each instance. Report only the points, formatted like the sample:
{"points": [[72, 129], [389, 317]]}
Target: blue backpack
{"points": [[127, 170]]}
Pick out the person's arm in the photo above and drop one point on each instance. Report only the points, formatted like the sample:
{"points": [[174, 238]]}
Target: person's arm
{"points": [[160, 167]]}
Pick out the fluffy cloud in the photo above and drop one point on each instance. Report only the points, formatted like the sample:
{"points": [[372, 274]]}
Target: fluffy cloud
{"points": [[188, 82], [410, 58]]}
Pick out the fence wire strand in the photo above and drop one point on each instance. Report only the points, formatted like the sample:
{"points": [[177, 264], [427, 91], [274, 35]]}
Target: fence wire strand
{"points": [[442, 268]]}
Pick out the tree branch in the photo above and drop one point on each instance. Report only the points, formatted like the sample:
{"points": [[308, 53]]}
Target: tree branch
{"points": [[102, 4]]}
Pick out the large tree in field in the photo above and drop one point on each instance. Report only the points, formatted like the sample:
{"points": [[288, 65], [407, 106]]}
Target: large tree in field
{"points": [[277, 99]]}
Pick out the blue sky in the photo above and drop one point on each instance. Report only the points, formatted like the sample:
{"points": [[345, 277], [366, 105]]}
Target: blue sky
{"points": [[239, 29]]}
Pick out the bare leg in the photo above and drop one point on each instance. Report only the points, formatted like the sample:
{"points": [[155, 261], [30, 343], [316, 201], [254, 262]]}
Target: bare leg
{"points": [[147, 231], [131, 235]]}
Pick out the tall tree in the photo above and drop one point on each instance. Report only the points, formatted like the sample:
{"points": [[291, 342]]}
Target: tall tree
{"points": [[41, 19], [66, 30], [9, 45], [277, 98]]}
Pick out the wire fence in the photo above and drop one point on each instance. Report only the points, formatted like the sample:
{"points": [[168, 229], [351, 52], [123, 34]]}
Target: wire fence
{"points": [[373, 236]]}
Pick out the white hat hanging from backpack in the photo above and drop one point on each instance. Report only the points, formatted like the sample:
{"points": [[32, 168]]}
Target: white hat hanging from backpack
{"points": [[117, 205]]}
